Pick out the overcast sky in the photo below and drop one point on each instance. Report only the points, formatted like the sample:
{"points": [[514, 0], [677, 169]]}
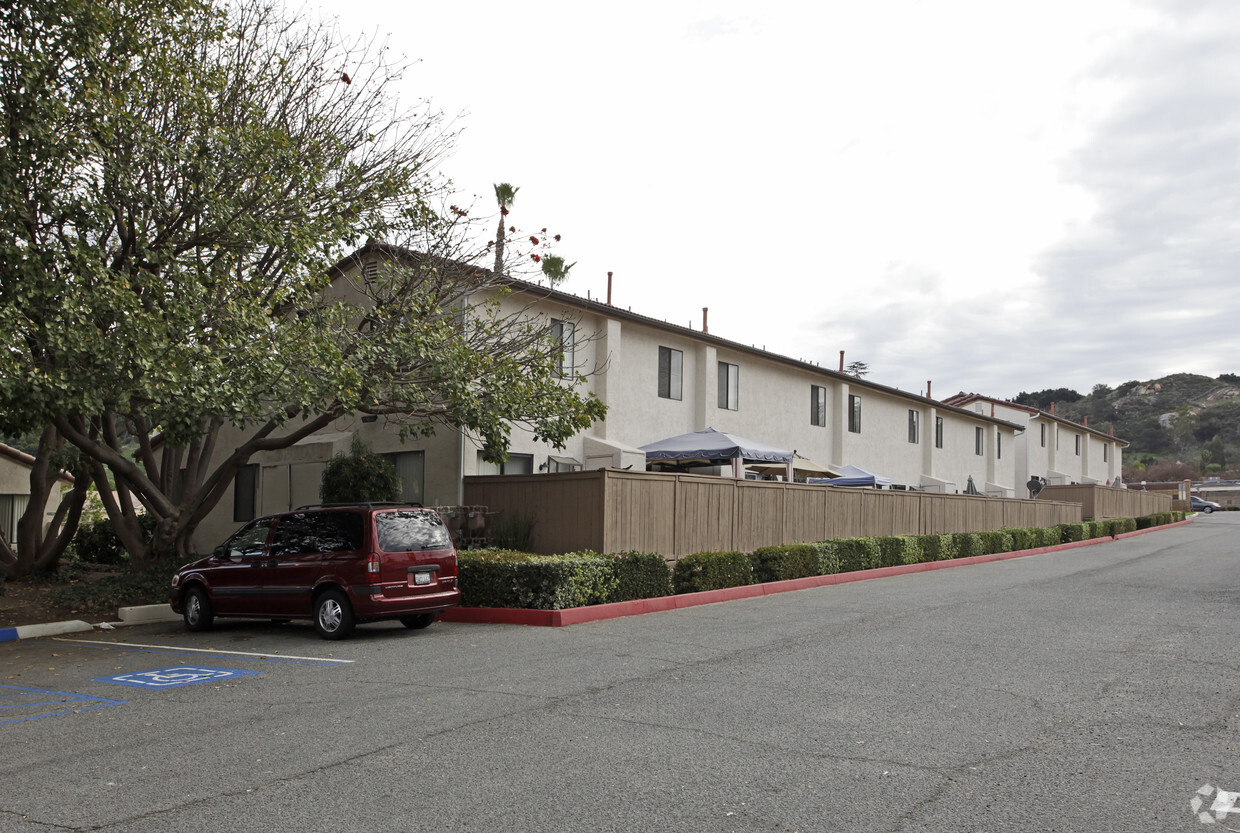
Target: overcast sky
{"points": [[998, 197]]}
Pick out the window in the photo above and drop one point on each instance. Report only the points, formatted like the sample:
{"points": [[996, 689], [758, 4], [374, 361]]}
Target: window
{"points": [[729, 386], [411, 532], [671, 372], [998, 446], [411, 469], [979, 441], [563, 333], [854, 413], [306, 533], [1078, 445], [558, 464], [1105, 447], [914, 426], [250, 541], [817, 405], [938, 432], [245, 493], [515, 464], [12, 507], [1043, 427]]}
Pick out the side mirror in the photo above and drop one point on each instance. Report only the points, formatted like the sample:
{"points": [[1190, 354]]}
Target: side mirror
{"points": [[219, 554]]}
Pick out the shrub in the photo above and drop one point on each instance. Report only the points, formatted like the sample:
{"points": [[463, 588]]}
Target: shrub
{"points": [[1099, 529], [999, 540], [937, 547], [97, 542], [146, 583], [895, 550], [1025, 538], [1049, 536], [358, 477], [640, 575], [968, 544], [828, 558], [1121, 525], [784, 562], [711, 571], [502, 578], [1073, 532], [858, 554]]}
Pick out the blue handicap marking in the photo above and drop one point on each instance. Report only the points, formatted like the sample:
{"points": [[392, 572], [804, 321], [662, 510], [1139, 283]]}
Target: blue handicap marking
{"points": [[174, 677]]}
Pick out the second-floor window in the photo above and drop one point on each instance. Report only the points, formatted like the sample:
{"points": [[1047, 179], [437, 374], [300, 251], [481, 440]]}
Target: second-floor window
{"points": [[1105, 447], [562, 334], [938, 432], [979, 441], [854, 413], [671, 372], [1078, 445], [729, 386], [817, 405], [1043, 427], [914, 426]]}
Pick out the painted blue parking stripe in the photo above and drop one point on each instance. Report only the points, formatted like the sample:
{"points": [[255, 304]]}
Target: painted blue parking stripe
{"points": [[72, 702], [8, 634]]}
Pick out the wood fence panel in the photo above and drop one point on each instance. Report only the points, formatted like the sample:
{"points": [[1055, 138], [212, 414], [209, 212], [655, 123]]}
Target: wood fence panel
{"points": [[1106, 502], [705, 512], [640, 514], [760, 517], [805, 513]]}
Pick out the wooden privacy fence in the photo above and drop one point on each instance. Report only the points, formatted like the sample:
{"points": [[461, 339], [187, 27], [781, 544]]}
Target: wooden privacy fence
{"points": [[610, 510], [1102, 503]]}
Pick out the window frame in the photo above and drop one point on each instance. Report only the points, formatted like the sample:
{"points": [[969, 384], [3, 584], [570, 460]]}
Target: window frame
{"points": [[818, 406], [566, 364], [671, 371], [979, 441], [729, 386], [914, 426], [854, 413], [938, 432]]}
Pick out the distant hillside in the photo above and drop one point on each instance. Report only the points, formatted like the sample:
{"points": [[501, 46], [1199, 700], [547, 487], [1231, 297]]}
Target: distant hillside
{"points": [[1184, 422]]}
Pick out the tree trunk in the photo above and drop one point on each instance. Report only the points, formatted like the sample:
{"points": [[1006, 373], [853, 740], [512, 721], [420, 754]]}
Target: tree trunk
{"points": [[37, 548]]}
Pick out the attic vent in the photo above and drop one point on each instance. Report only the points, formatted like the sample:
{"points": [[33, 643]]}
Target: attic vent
{"points": [[370, 271], [978, 407]]}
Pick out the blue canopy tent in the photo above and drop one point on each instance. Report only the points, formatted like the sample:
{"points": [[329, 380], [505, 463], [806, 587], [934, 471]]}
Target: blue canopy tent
{"points": [[711, 447], [853, 476]]}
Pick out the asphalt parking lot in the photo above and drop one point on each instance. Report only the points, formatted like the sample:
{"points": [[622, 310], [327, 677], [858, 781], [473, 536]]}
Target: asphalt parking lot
{"points": [[1092, 689]]}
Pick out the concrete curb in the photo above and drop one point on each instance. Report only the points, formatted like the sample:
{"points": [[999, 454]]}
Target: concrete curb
{"points": [[142, 614], [47, 629], [597, 613]]}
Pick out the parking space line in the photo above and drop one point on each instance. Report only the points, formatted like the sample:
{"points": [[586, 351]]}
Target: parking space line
{"points": [[74, 702], [173, 649]]}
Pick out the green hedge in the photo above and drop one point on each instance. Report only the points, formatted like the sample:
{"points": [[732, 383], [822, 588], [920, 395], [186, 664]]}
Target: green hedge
{"points": [[999, 540], [711, 571], [938, 547], [828, 558], [858, 554], [784, 562], [1069, 533], [640, 575], [895, 550], [490, 578], [968, 544]]}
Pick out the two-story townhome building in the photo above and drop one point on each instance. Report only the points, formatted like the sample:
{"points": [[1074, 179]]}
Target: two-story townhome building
{"points": [[658, 380], [1059, 450]]}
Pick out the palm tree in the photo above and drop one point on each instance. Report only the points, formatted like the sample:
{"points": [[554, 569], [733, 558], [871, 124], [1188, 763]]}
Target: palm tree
{"points": [[505, 195]]}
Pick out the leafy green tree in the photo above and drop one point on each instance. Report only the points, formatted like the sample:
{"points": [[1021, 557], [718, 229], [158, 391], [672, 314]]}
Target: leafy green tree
{"points": [[175, 184], [361, 476]]}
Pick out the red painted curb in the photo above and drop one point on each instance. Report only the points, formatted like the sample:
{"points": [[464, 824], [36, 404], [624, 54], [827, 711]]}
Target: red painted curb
{"points": [[615, 610]]}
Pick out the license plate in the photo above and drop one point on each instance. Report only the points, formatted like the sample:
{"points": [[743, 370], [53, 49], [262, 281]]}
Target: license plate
{"points": [[421, 578]]}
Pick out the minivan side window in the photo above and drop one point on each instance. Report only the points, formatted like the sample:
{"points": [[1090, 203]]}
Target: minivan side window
{"points": [[250, 541], [311, 532]]}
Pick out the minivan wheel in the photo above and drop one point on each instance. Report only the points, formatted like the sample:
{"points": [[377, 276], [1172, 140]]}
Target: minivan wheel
{"points": [[333, 615], [417, 621], [196, 610]]}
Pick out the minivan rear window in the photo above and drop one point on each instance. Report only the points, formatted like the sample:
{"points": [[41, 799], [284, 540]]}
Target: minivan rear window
{"points": [[411, 531]]}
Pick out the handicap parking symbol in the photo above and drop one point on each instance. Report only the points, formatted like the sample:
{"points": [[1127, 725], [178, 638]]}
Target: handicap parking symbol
{"points": [[175, 677]]}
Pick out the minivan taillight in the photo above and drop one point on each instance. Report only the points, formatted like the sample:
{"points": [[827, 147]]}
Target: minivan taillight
{"points": [[372, 564]]}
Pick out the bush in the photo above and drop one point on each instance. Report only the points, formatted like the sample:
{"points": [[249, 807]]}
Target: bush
{"points": [[1121, 525], [502, 578], [937, 547], [1097, 529], [858, 554], [1049, 536], [711, 571], [97, 542], [147, 583], [361, 476], [999, 540], [1069, 533], [968, 544], [895, 550], [785, 562], [828, 558], [1025, 538], [640, 575]]}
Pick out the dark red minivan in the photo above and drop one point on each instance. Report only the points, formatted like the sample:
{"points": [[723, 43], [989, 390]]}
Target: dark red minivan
{"points": [[336, 565]]}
